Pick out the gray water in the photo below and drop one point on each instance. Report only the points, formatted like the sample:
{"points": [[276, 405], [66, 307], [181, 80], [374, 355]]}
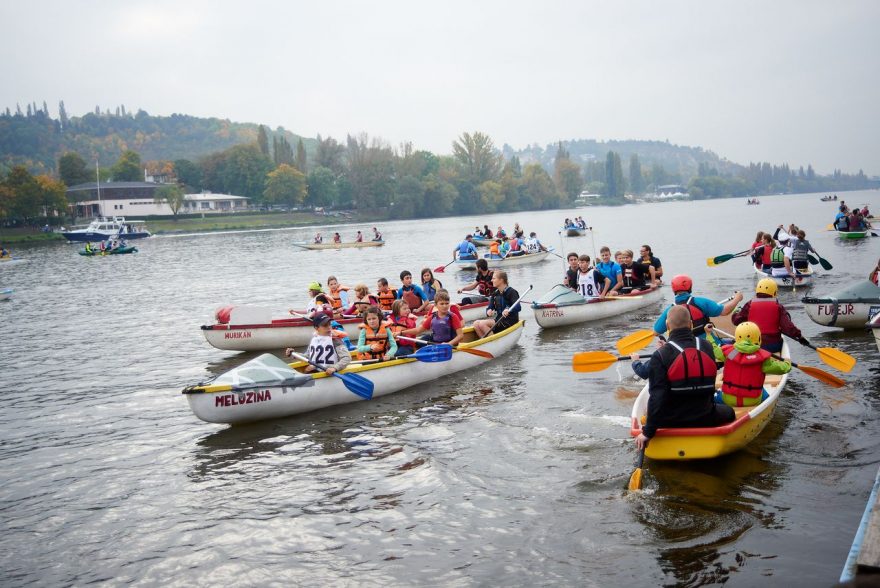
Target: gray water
{"points": [[513, 473]]}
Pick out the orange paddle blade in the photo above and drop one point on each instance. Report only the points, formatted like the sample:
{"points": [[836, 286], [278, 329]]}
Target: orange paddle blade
{"points": [[592, 361], [479, 352], [635, 341], [635, 480], [822, 376], [836, 358]]}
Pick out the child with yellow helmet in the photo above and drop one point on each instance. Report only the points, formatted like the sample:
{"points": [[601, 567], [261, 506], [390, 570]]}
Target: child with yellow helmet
{"points": [[772, 318], [745, 365]]}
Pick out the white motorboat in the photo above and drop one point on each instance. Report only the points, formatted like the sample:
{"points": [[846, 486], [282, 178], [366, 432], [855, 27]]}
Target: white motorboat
{"points": [[562, 306], [267, 387], [849, 308], [253, 328], [102, 229]]}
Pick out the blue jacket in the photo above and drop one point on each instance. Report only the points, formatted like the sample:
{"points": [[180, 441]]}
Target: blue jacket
{"points": [[708, 306]]}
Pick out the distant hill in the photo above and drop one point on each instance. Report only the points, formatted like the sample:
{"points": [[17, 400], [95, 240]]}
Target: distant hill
{"points": [[675, 159], [36, 140]]}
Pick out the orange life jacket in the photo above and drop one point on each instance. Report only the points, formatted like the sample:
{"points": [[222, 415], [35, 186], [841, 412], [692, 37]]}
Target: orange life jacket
{"points": [[377, 337], [386, 299], [743, 376], [336, 301], [493, 248]]}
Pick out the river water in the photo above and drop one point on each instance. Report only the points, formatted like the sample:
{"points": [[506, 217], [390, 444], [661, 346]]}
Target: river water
{"points": [[511, 473]]}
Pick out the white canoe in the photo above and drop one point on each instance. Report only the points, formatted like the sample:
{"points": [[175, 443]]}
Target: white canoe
{"points": [[849, 308], [482, 241], [563, 306], [503, 263], [709, 442], [306, 245], [875, 326], [252, 328], [267, 387], [10, 261], [574, 232], [6, 294], [804, 278]]}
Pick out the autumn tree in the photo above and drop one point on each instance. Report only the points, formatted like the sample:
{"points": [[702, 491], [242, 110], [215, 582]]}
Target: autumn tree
{"points": [[52, 195], [566, 174], [172, 195], [285, 186]]}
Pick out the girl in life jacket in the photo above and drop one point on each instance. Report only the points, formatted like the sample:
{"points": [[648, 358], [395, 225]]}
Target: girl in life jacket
{"points": [[430, 285], [362, 300], [375, 340], [337, 294], [402, 322], [745, 366]]}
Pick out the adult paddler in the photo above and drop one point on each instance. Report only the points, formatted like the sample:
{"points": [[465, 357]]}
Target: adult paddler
{"points": [[771, 317], [681, 381], [466, 249], [700, 309], [503, 309]]}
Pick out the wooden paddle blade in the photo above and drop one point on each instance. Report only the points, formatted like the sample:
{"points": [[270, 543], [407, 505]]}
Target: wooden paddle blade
{"points": [[635, 480], [635, 341], [478, 352], [822, 376], [592, 361], [836, 358]]}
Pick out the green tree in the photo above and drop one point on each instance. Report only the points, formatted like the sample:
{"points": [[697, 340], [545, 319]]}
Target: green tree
{"points": [[329, 154], [615, 185], [478, 158], [72, 169], [370, 171], [128, 167], [567, 176], [410, 193], [636, 179], [322, 187], [286, 186], [173, 195], [538, 188], [52, 195], [439, 197], [26, 192], [188, 173], [282, 152], [263, 140], [491, 196], [301, 162], [240, 170]]}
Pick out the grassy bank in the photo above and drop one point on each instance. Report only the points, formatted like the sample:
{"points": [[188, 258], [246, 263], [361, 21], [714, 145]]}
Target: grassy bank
{"points": [[26, 235]]}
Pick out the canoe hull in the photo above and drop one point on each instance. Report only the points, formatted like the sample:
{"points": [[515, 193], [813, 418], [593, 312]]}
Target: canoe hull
{"points": [[710, 442], [6, 294], [469, 264], [801, 280], [875, 327], [291, 332], [353, 245], [119, 251], [551, 315], [575, 232], [852, 234], [271, 402], [842, 314]]}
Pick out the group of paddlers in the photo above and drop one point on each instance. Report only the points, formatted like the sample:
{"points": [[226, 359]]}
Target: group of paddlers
{"points": [[577, 222], [359, 238], [606, 277], [784, 253], [112, 244], [854, 220]]}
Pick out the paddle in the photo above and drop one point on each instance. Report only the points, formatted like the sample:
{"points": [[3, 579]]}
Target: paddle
{"points": [[634, 341], [718, 260], [289, 382], [430, 354], [635, 480], [826, 265], [839, 360], [478, 352], [356, 384], [442, 268], [596, 361], [815, 372]]}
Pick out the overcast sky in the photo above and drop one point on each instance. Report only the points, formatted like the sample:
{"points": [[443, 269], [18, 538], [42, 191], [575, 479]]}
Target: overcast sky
{"points": [[781, 81]]}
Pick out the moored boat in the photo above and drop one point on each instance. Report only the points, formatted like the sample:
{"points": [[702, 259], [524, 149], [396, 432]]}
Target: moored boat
{"points": [[875, 326], [574, 231], [102, 229], [849, 308], [331, 245], [6, 294], [710, 442], [117, 251], [252, 328], [563, 306], [267, 387], [499, 263], [852, 234], [803, 278]]}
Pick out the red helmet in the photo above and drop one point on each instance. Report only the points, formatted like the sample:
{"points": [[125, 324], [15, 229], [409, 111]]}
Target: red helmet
{"points": [[682, 283]]}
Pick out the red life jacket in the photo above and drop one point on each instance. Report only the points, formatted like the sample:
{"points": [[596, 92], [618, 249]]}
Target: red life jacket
{"points": [[386, 299], [379, 336], [412, 299], [765, 254], [699, 319], [765, 313], [743, 377], [692, 371]]}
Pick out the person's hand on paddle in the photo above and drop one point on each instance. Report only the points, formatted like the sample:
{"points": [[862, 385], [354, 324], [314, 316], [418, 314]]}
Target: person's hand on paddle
{"points": [[289, 351], [505, 312], [490, 312], [376, 347], [330, 370], [708, 329], [635, 357], [641, 441]]}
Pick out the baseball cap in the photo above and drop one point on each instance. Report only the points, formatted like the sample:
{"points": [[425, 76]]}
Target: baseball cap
{"points": [[320, 319], [316, 287]]}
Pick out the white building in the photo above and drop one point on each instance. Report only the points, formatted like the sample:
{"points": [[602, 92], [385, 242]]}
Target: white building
{"points": [[137, 200], [208, 202]]}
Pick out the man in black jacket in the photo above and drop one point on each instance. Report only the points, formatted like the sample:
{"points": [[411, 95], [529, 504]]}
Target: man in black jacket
{"points": [[503, 309], [681, 382]]}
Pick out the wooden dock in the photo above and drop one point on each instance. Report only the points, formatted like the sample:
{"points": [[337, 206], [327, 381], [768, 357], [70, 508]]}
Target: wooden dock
{"points": [[864, 555]]}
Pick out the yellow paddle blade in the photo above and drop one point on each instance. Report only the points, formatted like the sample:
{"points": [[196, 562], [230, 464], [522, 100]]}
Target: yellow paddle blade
{"points": [[822, 376], [829, 227], [635, 480], [710, 261], [836, 358], [592, 361], [635, 341]]}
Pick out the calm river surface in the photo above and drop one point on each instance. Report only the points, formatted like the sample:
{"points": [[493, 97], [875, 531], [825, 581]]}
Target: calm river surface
{"points": [[513, 473]]}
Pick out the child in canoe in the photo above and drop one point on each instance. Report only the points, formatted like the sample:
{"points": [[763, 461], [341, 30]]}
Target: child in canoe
{"points": [[326, 349], [445, 327], [376, 340], [403, 323], [337, 294]]}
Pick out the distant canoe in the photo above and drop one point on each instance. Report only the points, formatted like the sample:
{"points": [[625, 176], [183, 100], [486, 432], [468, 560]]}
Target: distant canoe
{"points": [[10, 261], [6, 294], [483, 241], [117, 251], [351, 245], [803, 278], [852, 234], [575, 232], [499, 263]]}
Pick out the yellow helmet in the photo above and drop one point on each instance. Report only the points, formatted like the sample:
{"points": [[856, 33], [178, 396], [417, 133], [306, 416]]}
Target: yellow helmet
{"points": [[766, 286], [748, 331]]}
